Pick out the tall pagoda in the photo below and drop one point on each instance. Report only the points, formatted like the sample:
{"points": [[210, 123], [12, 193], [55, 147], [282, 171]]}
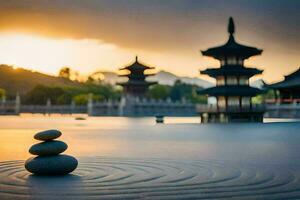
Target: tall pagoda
{"points": [[232, 90], [137, 85]]}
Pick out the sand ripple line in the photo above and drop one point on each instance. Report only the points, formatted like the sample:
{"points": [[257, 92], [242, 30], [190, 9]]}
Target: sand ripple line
{"points": [[120, 178]]}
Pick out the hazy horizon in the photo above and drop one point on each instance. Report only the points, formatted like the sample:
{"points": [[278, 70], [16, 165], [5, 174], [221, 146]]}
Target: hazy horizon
{"points": [[106, 35]]}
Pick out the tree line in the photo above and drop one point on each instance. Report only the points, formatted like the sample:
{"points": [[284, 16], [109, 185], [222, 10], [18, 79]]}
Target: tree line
{"points": [[62, 94]]}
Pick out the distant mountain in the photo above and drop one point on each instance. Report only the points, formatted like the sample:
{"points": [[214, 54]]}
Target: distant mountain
{"points": [[21, 80], [162, 77], [168, 78]]}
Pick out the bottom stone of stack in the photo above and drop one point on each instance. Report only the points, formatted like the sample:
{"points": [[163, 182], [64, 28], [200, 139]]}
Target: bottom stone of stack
{"points": [[51, 165]]}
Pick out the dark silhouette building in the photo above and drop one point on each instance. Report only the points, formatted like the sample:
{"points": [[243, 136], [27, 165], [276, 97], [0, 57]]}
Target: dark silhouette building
{"points": [[288, 90], [232, 91], [137, 85]]}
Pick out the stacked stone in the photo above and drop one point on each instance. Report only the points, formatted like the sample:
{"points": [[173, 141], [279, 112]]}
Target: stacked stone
{"points": [[49, 160]]}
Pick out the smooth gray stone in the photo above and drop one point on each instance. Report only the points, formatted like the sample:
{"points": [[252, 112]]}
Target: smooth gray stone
{"points": [[47, 135], [51, 165], [53, 147]]}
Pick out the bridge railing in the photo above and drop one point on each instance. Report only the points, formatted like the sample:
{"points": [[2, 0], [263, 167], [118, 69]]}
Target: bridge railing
{"points": [[8, 108], [282, 101], [237, 109]]}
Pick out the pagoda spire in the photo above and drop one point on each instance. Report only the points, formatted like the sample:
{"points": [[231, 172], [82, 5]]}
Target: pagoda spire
{"points": [[231, 27], [231, 47]]}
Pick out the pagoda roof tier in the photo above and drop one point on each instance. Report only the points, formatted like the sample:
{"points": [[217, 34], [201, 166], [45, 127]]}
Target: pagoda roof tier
{"points": [[235, 70], [232, 48], [293, 75], [131, 75], [137, 83], [136, 66], [290, 81], [231, 90]]}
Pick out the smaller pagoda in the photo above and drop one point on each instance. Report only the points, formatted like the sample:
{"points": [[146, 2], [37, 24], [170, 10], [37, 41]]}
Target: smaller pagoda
{"points": [[288, 90], [137, 85], [232, 92]]}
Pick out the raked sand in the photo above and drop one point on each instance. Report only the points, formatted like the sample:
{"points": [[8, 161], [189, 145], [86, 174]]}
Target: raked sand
{"points": [[119, 178]]}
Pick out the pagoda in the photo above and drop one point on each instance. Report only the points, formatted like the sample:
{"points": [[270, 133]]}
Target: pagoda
{"points": [[288, 90], [232, 90], [137, 85]]}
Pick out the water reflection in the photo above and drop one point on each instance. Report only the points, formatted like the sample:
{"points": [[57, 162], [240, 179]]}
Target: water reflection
{"points": [[142, 137]]}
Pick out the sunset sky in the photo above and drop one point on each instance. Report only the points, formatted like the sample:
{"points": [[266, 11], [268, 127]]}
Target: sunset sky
{"points": [[93, 35]]}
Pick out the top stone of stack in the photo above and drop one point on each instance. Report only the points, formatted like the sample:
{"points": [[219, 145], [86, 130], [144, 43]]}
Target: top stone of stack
{"points": [[47, 135]]}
